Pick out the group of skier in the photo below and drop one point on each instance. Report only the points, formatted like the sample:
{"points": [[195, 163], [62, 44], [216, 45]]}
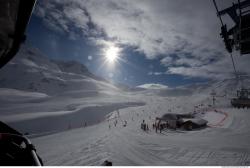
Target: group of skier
{"points": [[158, 127], [144, 126], [155, 126]]}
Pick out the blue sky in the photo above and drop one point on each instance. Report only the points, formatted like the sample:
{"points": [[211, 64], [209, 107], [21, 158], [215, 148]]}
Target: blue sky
{"points": [[135, 70], [157, 43]]}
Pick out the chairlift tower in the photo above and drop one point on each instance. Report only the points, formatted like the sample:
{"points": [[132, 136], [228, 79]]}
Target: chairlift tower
{"points": [[213, 94], [237, 38]]}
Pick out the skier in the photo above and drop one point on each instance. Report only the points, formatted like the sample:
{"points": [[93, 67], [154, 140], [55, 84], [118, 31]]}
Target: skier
{"points": [[161, 127], [125, 123], [144, 125]]}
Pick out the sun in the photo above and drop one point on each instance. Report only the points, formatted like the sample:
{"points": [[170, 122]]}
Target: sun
{"points": [[112, 53]]}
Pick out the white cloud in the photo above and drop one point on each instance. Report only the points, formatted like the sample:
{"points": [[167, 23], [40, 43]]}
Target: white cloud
{"points": [[184, 34], [167, 61], [63, 17], [153, 86], [217, 70], [156, 73], [158, 27]]}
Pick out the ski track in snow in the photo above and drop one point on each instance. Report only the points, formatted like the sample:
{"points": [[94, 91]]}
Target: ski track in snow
{"points": [[226, 140], [227, 143]]}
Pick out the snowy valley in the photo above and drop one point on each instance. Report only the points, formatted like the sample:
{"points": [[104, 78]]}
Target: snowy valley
{"points": [[69, 114]]}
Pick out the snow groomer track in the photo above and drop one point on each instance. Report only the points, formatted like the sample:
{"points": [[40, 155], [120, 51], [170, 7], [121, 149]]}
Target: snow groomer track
{"points": [[226, 141]]}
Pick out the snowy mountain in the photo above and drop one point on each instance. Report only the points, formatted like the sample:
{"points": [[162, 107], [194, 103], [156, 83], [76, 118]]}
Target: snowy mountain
{"points": [[35, 90], [230, 86], [32, 71], [224, 87], [69, 115], [227, 87]]}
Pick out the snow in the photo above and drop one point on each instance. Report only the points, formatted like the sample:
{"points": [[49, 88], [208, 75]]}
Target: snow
{"points": [[17, 95], [131, 146], [52, 101], [214, 117], [40, 95]]}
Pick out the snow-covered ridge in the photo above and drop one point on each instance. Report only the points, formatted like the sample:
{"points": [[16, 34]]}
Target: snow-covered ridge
{"points": [[45, 98], [35, 91], [32, 71]]}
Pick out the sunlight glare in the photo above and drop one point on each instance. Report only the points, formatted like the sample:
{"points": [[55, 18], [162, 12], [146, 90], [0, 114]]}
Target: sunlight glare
{"points": [[112, 53]]}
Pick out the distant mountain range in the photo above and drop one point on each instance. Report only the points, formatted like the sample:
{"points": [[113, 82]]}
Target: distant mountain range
{"points": [[30, 70]]}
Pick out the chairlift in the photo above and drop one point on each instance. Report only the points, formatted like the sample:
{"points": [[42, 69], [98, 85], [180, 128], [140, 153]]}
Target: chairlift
{"points": [[242, 99], [238, 36]]}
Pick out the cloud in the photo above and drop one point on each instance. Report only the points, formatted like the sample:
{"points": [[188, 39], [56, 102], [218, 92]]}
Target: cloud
{"points": [[156, 73], [153, 86], [184, 35], [154, 28], [166, 61], [220, 69], [64, 17]]}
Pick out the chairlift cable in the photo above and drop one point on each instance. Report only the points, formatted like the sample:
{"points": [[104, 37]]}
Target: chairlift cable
{"points": [[239, 7], [231, 55], [240, 13], [216, 7], [239, 4], [236, 74]]}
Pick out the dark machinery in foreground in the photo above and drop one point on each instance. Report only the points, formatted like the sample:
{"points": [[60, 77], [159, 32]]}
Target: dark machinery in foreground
{"points": [[242, 99], [16, 149], [237, 38]]}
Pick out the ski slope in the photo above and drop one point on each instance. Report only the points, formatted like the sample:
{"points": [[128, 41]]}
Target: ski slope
{"points": [[40, 95], [225, 142], [69, 113]]}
